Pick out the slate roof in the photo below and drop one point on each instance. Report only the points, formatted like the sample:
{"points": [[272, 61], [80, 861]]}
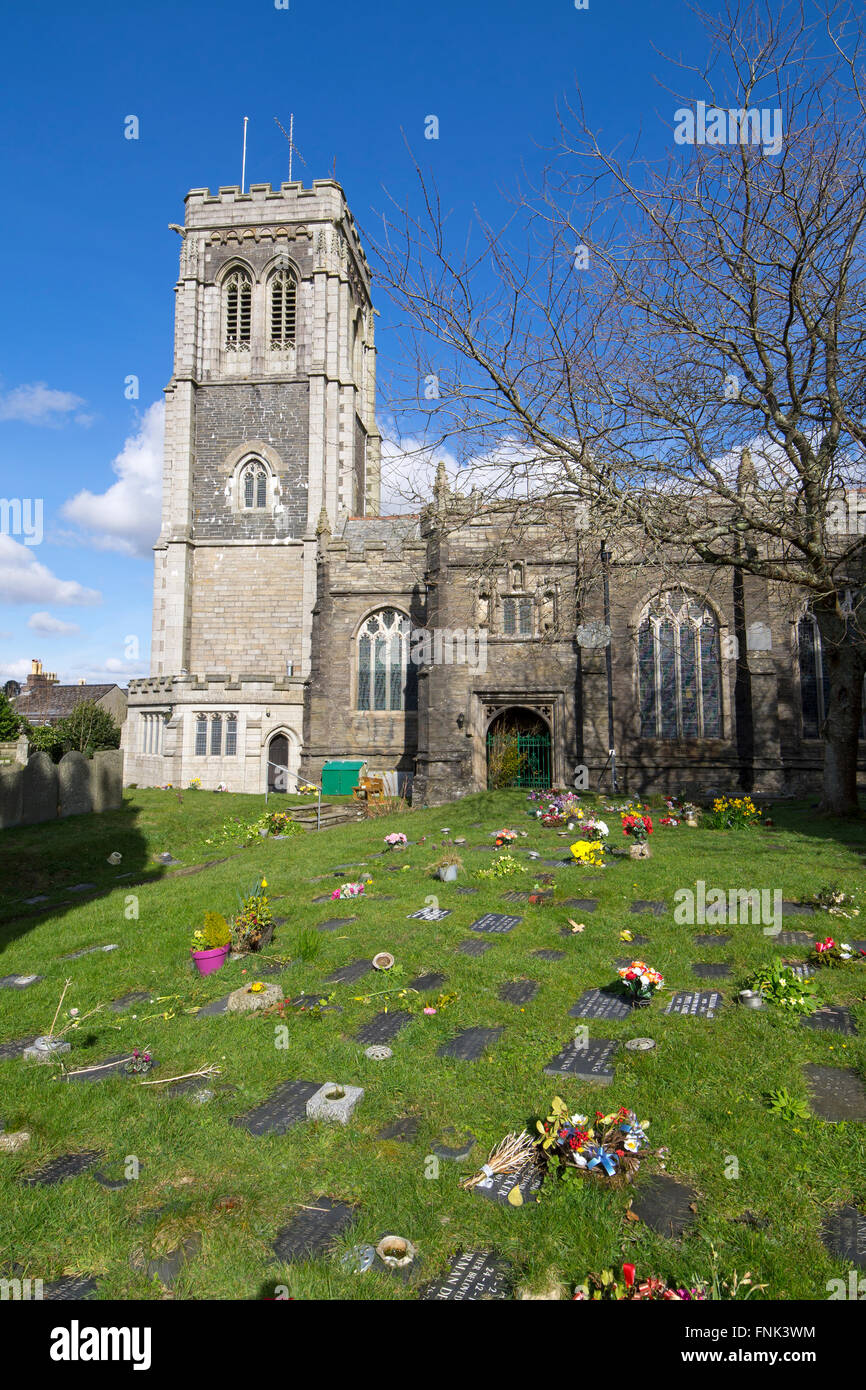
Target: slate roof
{"points": [[43, 704], [395, 531]]}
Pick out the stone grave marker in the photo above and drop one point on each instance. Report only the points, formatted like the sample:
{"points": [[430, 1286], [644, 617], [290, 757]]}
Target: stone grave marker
{"points": [[466, 890], [549, 955], [284, 1107], [665, 1206], [837, 1093], [430, 914], [101, 1071], [793, 938], [638, 940], [89, 951], [349, 974], [709, 971], [313, 1229], [70, 1287], [699, 1003], [476, 1275], [642, 905], [63, 1168], [425, 982], [790, 909], [471, 947], [15, 1048], [640, 1044], [334, 923], [166, 1267], [73, 785], [601, 1003], [383, 1027], [581, 904], [307, 1002], [497, 1188], [833, 1018], [126, 1001], [515, 896], [844, 1235], [457, 1151], [495, 922], [39, 798], [215, 1007], [588, 1061], [708, 939], [799, 969], [402, 1131], [243, 1001], [82, 888], [519, 991], [18, 981], [469, 1045]]}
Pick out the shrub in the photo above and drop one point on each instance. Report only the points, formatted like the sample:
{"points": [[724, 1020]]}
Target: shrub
{"points": [[88, 729]]}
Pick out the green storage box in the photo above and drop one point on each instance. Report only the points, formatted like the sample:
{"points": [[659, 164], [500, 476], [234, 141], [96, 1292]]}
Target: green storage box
{"points": [[340, 776]]}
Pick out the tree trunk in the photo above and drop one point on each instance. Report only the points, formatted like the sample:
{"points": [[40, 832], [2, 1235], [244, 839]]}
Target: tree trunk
{"points": [[844, 661]]}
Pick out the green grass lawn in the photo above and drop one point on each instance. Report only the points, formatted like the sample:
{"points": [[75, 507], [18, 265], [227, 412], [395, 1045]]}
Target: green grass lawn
{"points": [[703, 1088]]}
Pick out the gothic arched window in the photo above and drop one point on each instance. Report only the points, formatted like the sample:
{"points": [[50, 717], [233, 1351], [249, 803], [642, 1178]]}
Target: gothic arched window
{"points": [[238, 310], [814, 681], [679, 669], [387, 679], [283, 292], [253, 492]]}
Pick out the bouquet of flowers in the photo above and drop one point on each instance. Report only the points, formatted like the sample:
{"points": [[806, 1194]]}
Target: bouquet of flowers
{"points": [[609, 1146], [607, 1286], [593, 829], [350, 890], [253, 925], [396, 840], [139, 1063], [733, 813], [638, 827], [640, 981], [505, 837], [837, 903], [195, 784], [835, 954], [589, 852]]}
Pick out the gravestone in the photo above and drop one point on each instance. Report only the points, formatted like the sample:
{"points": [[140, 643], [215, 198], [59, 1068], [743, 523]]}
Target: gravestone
{"points": [[349, 974], [587, 1060], [665, 1206], [425, 982], [844, 1235], [581, 904], [472, 947], [457, 1151], [334, 923], [640, 1044], [18, 981], [70, 1287], [469, 1045], [244, 1001], [430, 914], [549, 955], [16, 1047], [106, 779], [495, 922], [73, 785], [799, 969], [136, 996], [166, 1267], [497, 1188], [519, 992], [63, 1168], [479, 1276], [284, 1107], [102, 1071], [638, 940], [837, 1093], [833, 1018], [89, 951], [657, 909], [601, 1003], [708, 939], [794, 938], [11, 796], [214, 1008], [383, 1027], [314, 1229], [706, 970], [699, 1003], [38, 790], [466, 890], [515, 896], [402, 1131], [790, 909]]}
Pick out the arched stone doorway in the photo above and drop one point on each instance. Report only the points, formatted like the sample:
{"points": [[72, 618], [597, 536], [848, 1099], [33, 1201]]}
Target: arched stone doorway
{"points": [[519, 749], [278, 764]]}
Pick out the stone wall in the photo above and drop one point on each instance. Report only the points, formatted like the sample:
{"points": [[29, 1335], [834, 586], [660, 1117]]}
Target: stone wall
{"points": [[41, 790]]}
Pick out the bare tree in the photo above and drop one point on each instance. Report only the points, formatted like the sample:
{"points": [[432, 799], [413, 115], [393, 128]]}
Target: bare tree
{"points": [[679, 343]]}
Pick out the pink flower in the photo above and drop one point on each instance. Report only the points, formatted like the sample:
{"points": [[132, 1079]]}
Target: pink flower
{"points": [[429, 1009]]}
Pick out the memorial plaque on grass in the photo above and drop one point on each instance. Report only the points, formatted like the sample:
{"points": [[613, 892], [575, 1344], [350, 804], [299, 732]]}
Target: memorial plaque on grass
{"points": [[334, 923], [349, 974], [16, 1047], [601, 1003], [286, 1106], [497, 1188], [581, 904], [837, 1093], [63, 1168], [549, 955], [833, 1018], [790, 909], [478, 1276], [793, 938], [314, 1229], [454, 1147], [494, 922], [307, 1003], [166, 1267], [89, 951], [708, 970], [472, 947], [708, 939], [383, 1027], [466, 890], [102, 1071], [519, 992], [402, 1131], [665, 1206], [469, 1045], [425, 982], [70, 1287], [126, 1001], [214, 1008], [515, 896], [18, 981], [700, 1003], [588, 1060], [643, 905], [430, 914], [844, 1235], [799, 969]]}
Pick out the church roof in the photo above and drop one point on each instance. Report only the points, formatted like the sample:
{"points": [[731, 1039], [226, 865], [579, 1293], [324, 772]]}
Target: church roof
{"points": [[394, 531], [45, 704]]}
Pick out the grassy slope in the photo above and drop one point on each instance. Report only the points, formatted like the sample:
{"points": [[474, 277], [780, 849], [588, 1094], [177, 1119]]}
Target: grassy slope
{"points": [[701, 1089]]}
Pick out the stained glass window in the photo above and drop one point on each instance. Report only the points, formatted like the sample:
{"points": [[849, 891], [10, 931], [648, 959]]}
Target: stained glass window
{"points": [[231, 736], [517, 617], [679, 669], [814, 680], [386, 678], [216, 736], [238, 301], [254, 485], [200, 737]]}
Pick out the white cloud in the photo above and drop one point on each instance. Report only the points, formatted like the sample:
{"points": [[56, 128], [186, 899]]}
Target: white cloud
{"points": [[409, 470], [38, 404], [46, 623], [24, 580], [126, 517]]}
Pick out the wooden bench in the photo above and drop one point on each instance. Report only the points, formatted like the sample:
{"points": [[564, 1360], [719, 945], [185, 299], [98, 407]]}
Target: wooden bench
{"points": [[369, 789]]}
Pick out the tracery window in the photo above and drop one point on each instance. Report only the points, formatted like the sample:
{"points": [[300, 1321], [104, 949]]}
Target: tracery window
{"points": [[814, 681], [254, 486], [679, 669], [283, 306], [387, 679], [517, 617], [238, 310]]}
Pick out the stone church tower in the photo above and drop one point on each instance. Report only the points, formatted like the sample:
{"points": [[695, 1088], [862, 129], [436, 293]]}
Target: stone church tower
{"points": [[270, 425]]}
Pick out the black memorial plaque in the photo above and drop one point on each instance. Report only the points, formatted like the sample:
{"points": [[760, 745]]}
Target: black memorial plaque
{"points": [[424, 982], [519, 992], [214, 1008], [581, 904], [708, 970], [16, 1047], [790, 909], [495, 922], [473, 947], [349, 974], [430, 914], [642, 905], [126, 1001], [699, 1003], [844, 1235], [314, 1229], [515, 895], [793, 938], [403, 1131], [105, 1070], [454, 1147], [549, 955], [469, 1045], [479, 1276], [71, 1287], [837, 1093], [63, 1168], [834, 1018], [286, 1106], [587, 1059], [708, 939], [334, 923], [383, 1027], [665, 1206], [601, 1003], [497, 1188]]}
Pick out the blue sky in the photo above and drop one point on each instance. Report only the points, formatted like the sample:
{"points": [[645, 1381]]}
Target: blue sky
{"points": [[90, 263]]}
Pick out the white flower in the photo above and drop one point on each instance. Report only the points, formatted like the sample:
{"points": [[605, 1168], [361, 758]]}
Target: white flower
{"points": [[631, 1143], [578, 1119]]}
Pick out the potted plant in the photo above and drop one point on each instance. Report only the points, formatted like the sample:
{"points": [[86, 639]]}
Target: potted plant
{"points": [[253, 925], [396, 840], [447, 866], [210, 944], [639, 828]]}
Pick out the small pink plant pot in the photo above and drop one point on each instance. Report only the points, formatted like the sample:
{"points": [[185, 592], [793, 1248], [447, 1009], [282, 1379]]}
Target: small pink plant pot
{"points": [[206, 962]]}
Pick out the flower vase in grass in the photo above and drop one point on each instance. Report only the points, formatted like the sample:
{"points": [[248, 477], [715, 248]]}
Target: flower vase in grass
{"points": [[589, 853], [608, 1147], [397, 840], [350, 890], [210, 944], [638, 828], [832, 954], [640, 982], [253, 925], [505, 837]]}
